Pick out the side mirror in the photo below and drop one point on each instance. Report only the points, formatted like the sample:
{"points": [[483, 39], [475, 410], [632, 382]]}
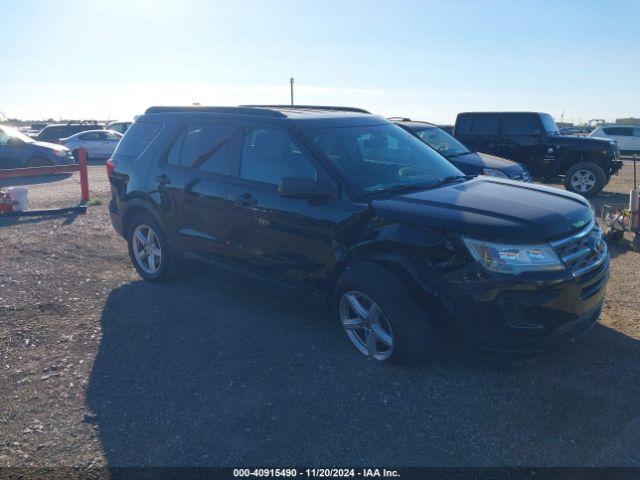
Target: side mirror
{"points": [[301, 187], [536, 132]]}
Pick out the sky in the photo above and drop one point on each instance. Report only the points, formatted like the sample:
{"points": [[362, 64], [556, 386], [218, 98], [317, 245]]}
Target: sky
{"points": [[427, 60]]}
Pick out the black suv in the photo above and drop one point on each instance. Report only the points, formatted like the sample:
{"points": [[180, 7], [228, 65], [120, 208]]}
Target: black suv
{"points": [[534, 140], [353, 206], [471, 163], [54, 132]]}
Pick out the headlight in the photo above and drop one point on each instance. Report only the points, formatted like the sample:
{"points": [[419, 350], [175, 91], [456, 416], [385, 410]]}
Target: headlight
{"points": [[490, 172], [62, 153], [516, 258]]}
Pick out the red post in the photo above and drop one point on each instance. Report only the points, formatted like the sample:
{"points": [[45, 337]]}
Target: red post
{"points": [[84, 177]]}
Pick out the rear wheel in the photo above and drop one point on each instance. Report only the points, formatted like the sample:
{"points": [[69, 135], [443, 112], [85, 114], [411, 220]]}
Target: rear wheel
{"points": [[148, 249], [39, 162], [585, 178], [615, 236], [380, 317]]}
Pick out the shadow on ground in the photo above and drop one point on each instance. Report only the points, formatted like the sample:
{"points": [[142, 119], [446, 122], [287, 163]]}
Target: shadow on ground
{"points": [[7, 221], [213, 370]]}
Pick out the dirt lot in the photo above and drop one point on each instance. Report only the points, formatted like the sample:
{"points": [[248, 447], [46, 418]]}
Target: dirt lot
{"points": [[100, 368]]}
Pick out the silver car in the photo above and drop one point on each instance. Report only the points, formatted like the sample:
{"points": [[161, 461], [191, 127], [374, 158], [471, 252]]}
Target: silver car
{"points": [[98, 143]]}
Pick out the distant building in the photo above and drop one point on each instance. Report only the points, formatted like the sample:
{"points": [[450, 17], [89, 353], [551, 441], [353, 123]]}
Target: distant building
{"points": [[628, 121]]}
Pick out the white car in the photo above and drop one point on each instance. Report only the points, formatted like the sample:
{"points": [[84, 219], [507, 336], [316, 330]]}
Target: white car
{"points": [[120, 127], [627, 137], [98, 143]]}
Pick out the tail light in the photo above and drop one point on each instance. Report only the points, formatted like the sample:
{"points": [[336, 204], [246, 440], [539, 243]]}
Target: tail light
{"points": [[111, 164]]}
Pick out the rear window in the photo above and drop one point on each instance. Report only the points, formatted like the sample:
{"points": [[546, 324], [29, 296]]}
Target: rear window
{"points": [[138, 136]]}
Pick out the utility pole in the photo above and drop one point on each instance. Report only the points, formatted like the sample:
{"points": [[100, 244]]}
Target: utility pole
{"points": [[291, 84]]}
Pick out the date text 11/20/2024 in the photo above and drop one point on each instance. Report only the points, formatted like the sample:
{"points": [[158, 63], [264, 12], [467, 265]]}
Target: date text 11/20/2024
{"points": [[316, 472]]}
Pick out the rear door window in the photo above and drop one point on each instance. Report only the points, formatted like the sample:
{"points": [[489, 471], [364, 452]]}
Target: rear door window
{"points": [[139, 135], [485, 125], [520, 125], [91, 136], [619, 131], [204, 146]]}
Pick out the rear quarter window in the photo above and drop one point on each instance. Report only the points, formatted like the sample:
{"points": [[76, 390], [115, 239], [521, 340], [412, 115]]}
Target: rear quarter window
{"points": [[463, 125], [138, 136]]}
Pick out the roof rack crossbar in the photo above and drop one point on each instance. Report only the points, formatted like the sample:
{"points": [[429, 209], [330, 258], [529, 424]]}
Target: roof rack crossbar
{"points": [[311, 107], [241, 110]]}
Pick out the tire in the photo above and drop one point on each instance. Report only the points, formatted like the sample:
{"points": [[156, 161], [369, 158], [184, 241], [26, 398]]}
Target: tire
{"points": [[636, 242], [38, 162], [585, 178], [162, 267], [615, 236], [403, 321]]}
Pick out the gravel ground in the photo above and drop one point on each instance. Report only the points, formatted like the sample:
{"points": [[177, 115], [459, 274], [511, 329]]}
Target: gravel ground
{"points": [[101, 368]]}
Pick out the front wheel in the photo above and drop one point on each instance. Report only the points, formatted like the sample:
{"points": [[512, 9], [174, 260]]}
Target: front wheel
{"points": [[585, 178], [148, 249], [380, 317]]}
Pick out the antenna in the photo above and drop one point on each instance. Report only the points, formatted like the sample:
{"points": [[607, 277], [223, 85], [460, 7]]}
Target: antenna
{"points": [[291, 82]]}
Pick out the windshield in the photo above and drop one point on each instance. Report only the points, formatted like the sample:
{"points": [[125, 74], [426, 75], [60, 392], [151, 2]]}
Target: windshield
{"points": [[549, 125], [441, 141], [13, 132], [382, 157]]}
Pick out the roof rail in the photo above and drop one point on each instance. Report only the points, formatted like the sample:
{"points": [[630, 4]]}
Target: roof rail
{"points": [[310, 107], [399, 119], [241, 110]]}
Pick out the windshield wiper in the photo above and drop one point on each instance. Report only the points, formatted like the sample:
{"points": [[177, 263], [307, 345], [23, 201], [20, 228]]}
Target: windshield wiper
{"points": [[401, 188], [421, 186], [451, 179], [457, 154]]}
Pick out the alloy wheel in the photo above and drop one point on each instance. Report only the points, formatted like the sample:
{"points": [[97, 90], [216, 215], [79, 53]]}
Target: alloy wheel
{"points": [[147, 249], [366, 325], [583, 180]]}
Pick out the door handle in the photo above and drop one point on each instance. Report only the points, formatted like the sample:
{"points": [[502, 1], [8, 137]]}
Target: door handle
{"points": [[246, 200], [163, 179]]}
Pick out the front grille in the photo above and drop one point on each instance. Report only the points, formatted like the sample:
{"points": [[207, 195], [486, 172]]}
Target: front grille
{"points": [[616, 150], [582, 251]]}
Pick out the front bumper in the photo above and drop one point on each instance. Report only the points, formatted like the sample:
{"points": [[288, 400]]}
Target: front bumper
{"points": [[615, 166], [532, 314]]}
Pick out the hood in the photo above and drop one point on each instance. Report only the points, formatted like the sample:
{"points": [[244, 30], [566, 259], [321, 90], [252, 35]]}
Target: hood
{"points": [[569, 140], [492, 209], [606, 139], [482, 160], [50, 146]]}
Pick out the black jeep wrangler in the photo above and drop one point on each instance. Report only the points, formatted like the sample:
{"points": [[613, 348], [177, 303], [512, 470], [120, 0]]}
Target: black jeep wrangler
{"points": [[534, 140]]}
